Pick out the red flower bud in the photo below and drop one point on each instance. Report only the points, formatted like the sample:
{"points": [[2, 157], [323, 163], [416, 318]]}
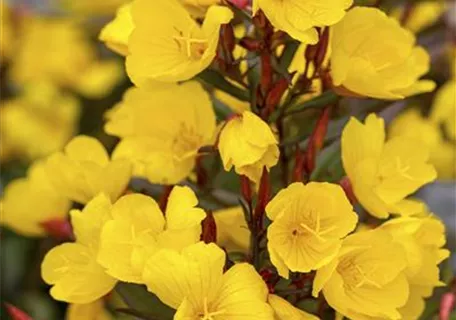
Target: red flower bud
{"points": [[311, 52], [60, 229], [316, 140], [228, 39], [264, 194], [251, 44], [299, 165], [246, 190], [16, 313], [241, 4], [447, 304], [275, 95], [209, 229], [266, 72], [347, 186], [322, 48]]}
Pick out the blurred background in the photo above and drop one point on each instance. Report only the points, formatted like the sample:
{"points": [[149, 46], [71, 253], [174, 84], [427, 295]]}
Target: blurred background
{"points": [[57, 80]]}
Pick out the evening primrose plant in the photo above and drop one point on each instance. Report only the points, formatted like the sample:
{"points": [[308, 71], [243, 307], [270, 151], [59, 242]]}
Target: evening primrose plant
{"points": [[251, 169]]}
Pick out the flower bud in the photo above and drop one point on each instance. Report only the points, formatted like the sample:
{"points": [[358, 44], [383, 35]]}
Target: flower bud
{"points": [[316, 140], [447, 304], [209, 228], [264, 195], [58, 228], [241, 4], [248, 144], [348, 189], [16, 313], [275, 95]]}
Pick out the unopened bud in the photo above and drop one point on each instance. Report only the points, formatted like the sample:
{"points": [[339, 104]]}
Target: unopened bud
{"points": [[275, 95], [348, 189], [58, 228], [447, 305], [246, 190], [16, 313], [266, 72], [241, 4], [229, 41], [251, 44], [316, 140], [209, 228], [264, 194], [322, 48]]}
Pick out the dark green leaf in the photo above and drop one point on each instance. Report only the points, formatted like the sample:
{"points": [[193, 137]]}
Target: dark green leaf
{"points": [[218, 81], [141, 301], [326, 98], [288, 54]]}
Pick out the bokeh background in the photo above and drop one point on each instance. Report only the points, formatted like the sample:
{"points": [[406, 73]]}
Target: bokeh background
{"points": [[57, 80]]}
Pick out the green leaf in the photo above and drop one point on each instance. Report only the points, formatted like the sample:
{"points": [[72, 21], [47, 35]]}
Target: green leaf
{"points": [[288, 54], [218, 81], [222, 111], [140, 300], [326, 98]]}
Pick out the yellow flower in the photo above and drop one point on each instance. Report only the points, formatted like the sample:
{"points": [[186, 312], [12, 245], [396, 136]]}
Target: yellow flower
{"points": [[284, 310], [198, 8], [38, 122], [89, 311], [247, 143], [309, 222], [139, 229], [193, 282], [382, 173], [300, 17], [168, 45], [444, 108], [232, 231], [57, 50], [366, 280], [89, 7], [52, 49], [422, 239], [29, 201], [117, 32], [99, 79], [379, 60], [413, 125], [84, 170], [162, 126], [422, 15], [71, 268]]}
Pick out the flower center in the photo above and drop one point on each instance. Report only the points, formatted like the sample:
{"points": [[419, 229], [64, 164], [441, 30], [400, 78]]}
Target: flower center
{"points": [[192, 46], [186, 142], [354, 275], [209, 315], [312, 227], [395, 168]]}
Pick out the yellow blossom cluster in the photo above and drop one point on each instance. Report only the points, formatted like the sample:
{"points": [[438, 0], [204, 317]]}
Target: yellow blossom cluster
{"points": [[214, 189], [47, 61]]}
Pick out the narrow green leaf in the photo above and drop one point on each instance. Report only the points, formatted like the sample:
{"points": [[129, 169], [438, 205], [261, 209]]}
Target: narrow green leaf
{"points": [[326, 98], [222, 111], [218, 81], [140, 300], [288, 54]]}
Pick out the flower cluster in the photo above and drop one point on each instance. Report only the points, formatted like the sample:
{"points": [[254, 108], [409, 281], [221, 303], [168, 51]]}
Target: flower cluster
{"points": [[233, 179]]}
